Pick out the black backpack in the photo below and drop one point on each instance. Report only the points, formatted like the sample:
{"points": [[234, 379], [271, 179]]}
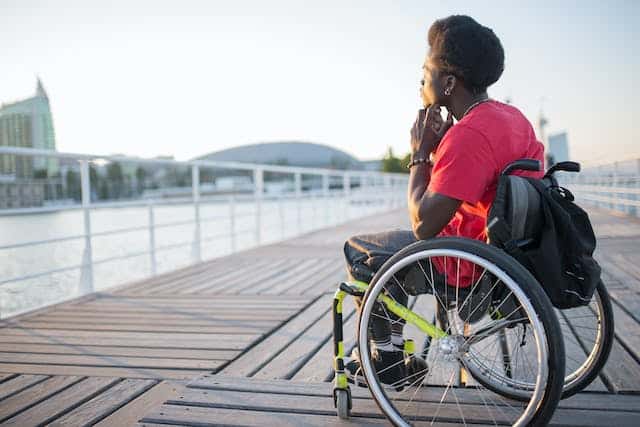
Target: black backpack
{"points": [[537, 222]]}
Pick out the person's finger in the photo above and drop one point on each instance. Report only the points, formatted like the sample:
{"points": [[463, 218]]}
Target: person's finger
{"points": [[422, 113]]}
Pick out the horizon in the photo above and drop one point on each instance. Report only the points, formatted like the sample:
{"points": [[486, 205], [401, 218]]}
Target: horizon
{"points": [[153, 79]]}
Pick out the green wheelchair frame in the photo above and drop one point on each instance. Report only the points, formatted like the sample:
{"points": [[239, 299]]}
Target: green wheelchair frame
{"points": [[341, 392]]}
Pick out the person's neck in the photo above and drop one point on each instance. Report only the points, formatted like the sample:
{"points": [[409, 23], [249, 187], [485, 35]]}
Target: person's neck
{"points": [[462, 103]]}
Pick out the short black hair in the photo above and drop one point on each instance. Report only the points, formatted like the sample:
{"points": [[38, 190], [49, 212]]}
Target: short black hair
{"points": [[468, 50]]}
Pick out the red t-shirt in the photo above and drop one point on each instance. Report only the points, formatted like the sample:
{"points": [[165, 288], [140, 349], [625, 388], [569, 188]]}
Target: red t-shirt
{"points": [[467, 164]]}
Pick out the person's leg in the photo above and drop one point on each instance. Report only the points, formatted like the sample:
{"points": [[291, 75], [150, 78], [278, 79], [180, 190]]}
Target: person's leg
{"points": [[364, 255]]}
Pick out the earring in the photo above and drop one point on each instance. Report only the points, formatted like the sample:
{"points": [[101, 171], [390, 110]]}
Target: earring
{"points": [[447, 91]]}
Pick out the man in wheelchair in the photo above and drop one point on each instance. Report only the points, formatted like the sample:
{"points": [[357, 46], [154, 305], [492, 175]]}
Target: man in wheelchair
{"points": [[454, 171]]}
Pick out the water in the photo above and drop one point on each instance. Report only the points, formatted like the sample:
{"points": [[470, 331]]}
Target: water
{"points": [[279, 220]]}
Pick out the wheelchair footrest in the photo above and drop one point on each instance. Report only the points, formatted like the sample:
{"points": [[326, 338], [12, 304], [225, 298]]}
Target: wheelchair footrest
{"points": [[351, 290]]}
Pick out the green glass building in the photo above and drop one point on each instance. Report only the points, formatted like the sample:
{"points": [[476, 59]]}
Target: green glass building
{"points": [[27, 123]]}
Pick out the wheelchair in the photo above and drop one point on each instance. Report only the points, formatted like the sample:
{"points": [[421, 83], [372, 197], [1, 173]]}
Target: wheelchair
{"points": [[490, 345]]}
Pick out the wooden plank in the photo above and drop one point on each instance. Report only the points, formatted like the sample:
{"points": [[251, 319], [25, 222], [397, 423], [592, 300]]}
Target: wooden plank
{"points": [[217, 307], [190, 416], [19, 383], [33, 395], [215, 342], [627, 299], [185, 319], [176, 337], [298, 272], [251, 277], [208, 279], [101, 371], [177, 353], [110, 361], [213, 279], [312, 285], [622, 371], [6, 377], [105, 403], [256, 357], [60, 403], [214, 301], [185, 299], [328, 283], [151, 284], [134, 410], [627, 330], [618, 270], [225, 327]]}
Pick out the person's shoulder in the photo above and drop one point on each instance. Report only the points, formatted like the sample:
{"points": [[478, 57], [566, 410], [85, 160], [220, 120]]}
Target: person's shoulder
{"points": [[494, 118], [461, 134]]}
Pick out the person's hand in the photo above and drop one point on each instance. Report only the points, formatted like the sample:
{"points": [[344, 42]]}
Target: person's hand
{"points": [[428, 129]]}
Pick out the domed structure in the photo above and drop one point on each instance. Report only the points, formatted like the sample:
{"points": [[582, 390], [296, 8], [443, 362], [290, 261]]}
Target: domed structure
{"points": [[289, 153]]}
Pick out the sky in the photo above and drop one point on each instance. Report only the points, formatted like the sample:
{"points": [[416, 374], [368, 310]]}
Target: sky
{"points": [[186, 78]]}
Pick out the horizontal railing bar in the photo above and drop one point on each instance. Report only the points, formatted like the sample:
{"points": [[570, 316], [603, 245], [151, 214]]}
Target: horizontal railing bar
{"points": [[214, 218], [175, 223], [605, 189], [610, 200], [40, 274], [246, 230], [167, 202], [215, 236], [120, 231], [173, 246], [120, 257], [42, 242]]}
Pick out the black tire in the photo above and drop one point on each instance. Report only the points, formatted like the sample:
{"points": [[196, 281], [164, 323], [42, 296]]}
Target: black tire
{"points": [[604, 342], [534, 293]]}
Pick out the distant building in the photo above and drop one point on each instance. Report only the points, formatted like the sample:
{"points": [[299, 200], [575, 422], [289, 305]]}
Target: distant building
{"points": [[27, 123], [559, 147], [289, 153]]}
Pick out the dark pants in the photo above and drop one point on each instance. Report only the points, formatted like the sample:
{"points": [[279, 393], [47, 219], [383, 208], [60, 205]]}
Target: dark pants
{"points": [[365, 254]]}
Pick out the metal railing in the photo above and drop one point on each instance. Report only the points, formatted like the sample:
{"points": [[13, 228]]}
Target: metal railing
{"points": [[368, 192], [614, 186]]}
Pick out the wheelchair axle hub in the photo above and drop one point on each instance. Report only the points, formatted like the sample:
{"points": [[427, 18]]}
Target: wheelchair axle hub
{"points": [[451, 346]]}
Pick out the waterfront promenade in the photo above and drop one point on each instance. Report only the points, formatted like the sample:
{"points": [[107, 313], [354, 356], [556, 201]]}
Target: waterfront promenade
{"points": [[246, 340]]}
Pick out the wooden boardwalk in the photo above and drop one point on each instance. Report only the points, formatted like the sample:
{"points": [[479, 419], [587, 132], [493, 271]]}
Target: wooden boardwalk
{"points": [[260, 321]]}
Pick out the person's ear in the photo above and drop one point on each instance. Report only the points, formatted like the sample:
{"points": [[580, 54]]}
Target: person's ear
{"points": [[449, 84]]}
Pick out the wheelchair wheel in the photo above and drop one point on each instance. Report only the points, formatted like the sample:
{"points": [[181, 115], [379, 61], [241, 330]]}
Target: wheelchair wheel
{"points": [[466, 376], [588, 337]]}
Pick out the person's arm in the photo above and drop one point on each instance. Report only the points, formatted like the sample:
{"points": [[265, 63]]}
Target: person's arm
{"points": [[429, 212]]}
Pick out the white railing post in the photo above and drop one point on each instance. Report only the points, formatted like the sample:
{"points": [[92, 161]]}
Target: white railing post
{"points": [[281, 212], [86, 275], [602, 184], [614, 185], [637, 179], [196, 250], [152, 238], [298, 191], [232, 221], [346, 191], [258, 180], [325, 196]]}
